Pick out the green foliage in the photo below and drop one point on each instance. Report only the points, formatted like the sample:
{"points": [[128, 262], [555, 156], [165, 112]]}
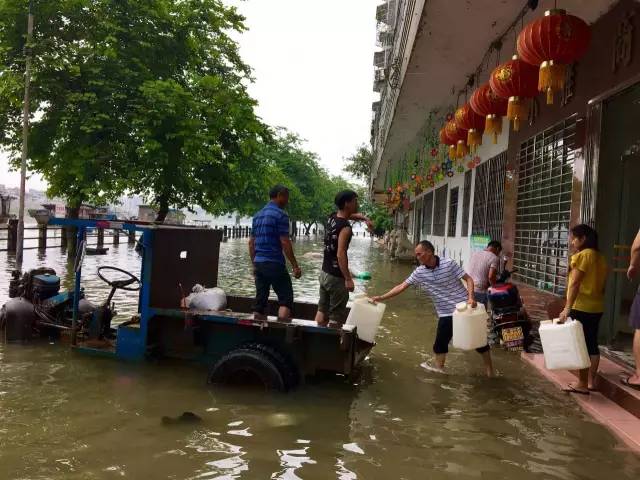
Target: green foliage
{"points": [[359, 164], [284, 160], [378, 214], [144, 96]]}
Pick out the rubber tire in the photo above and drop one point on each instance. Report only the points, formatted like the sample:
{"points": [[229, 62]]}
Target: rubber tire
{"points": [[252, 360], [286, 365]]}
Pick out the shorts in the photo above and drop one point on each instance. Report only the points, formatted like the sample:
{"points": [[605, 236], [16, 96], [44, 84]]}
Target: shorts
{"points": [[590, 323], [445, 334], [333, 297], [272, 274], [634, 314]]}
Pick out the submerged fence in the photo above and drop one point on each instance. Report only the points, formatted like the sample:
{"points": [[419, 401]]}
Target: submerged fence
{"points": [[52, 236]]}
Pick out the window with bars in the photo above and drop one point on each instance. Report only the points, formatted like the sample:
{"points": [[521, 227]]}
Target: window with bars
{"points": [[440, 211], [427, 214], [466, 203], [488, 198], [545, 184], [453, 212]]}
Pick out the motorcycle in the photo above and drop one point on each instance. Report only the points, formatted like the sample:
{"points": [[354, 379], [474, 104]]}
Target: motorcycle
{"points": [[510, 323]]}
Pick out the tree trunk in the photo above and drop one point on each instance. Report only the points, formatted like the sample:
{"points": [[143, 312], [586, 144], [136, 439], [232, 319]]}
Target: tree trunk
{"points": [[294, 228], [164, 209], [307, 228], [73, 212]]}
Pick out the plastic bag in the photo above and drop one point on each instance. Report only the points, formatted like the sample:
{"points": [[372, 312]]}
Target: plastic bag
{"points": [[206, 298]]}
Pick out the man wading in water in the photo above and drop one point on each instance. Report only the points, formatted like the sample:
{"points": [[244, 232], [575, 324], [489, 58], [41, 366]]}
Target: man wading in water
{"points": [[335, 278], [440, 279]]}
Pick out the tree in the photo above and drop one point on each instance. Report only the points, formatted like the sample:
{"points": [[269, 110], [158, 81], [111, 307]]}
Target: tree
{"points": [[359, 164], [139, 96]]}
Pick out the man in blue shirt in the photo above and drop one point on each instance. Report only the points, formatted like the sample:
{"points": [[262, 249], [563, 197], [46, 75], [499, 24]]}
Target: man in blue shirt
{"points": [[269, 238]]}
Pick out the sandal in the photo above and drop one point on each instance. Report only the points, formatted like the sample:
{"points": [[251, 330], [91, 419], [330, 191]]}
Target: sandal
{"points": [[572, 389], [625, 381]]}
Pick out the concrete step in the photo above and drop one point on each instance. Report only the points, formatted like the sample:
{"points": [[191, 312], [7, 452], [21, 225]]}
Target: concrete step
{"points": [[608, 383], [617, 418]]}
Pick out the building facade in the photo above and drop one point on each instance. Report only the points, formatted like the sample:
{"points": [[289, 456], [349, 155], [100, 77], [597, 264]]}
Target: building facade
{"points": [[577, 160]]}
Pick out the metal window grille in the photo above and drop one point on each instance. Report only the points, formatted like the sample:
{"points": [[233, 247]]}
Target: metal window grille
{"points": [[440, 211], [592, 150], [427, 214], [488, 199], [453, 212], [466, 203], [544, 205]]}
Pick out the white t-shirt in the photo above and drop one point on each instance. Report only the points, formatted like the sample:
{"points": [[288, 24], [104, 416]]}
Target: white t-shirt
{"points": [[479, 265], [442, 284]]}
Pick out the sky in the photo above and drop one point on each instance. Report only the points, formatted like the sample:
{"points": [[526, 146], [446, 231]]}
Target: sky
{"points": [[313, 67]]}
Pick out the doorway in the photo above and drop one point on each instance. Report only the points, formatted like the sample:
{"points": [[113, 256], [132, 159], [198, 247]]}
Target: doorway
{"points": [[618, 208]]}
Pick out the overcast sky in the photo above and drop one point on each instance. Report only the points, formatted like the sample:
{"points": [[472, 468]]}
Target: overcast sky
{"points": [[313, 72]]}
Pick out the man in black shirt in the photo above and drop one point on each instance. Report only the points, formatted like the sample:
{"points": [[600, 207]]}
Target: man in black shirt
{"points": [[335, 278]]}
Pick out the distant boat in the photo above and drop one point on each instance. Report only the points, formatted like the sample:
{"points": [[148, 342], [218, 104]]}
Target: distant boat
{"points": [[41, 215]]}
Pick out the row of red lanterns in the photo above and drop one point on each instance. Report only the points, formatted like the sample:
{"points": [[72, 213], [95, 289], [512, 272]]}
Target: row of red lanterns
{"points": [[545, 47]]}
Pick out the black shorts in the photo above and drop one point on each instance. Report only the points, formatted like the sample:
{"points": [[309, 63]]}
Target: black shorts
{"points": [[272, 274], [590, 323], [445, 334]]}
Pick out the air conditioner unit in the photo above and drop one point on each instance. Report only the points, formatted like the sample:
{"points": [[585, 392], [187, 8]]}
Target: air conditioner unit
{"points": [[379, 59]]}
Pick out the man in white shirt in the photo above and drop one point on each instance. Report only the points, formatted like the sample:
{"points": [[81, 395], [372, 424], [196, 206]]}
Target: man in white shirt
{"points": [[483, 268], [440, 279]]}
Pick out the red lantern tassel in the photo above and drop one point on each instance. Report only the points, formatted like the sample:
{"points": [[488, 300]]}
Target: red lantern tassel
{"points": [[474, 138], [493, 125], [517, 110], [551, 78], [462, 149]]}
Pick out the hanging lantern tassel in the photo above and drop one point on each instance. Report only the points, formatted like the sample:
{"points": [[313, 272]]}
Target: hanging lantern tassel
{"points": [[551, 78], [474, 138], [452, 151], [461, 150], [493, 126], [517, 110]]}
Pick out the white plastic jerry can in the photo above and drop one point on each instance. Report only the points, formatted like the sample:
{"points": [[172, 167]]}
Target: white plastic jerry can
{"points": [[366, 316], [469, 326], [563, 345]]}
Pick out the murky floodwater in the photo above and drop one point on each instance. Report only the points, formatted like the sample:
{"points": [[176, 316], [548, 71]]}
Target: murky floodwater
{"points": [[68, 416]]}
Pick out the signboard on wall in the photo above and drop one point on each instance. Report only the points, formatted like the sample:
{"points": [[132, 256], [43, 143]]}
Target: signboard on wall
{"points": [[479, 242]]}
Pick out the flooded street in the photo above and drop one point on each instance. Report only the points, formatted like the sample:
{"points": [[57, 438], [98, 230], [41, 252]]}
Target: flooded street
{"points": [[68, 416]]}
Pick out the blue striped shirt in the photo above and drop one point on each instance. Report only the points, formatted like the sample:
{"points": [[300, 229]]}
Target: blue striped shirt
{"points": [[269, 224], [442, 284]]}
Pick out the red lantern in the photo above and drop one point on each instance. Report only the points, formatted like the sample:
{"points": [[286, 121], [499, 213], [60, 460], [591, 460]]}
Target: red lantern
{"points": [[487, 104], [459, 137], [552, 42], [469, 120], [517, 81], [449, 142]]}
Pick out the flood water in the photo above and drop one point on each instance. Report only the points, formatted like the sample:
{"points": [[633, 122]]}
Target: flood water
{"points": [[68, 416]]}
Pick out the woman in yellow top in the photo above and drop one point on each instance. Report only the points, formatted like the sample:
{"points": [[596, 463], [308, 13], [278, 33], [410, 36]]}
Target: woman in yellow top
{"points": [[585, 298]]}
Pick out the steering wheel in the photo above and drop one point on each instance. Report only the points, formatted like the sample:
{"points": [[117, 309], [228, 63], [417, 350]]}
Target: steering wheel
{"points": [[120, 284]]}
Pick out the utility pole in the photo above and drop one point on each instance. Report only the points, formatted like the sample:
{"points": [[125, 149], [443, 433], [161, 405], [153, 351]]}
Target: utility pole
{"points": [[25, 136]]}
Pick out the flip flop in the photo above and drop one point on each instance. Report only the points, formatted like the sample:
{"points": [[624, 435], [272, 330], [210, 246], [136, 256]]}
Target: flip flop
{"points": [[572, 389], [625, 381]]}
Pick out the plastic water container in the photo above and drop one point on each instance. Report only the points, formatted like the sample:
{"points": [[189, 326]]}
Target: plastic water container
{"points": [[564, 345], [469, 326], [366, 317]]}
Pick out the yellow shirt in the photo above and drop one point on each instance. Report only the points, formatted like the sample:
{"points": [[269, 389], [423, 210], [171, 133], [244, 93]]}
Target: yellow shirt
{"points": [[591, 294]]}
